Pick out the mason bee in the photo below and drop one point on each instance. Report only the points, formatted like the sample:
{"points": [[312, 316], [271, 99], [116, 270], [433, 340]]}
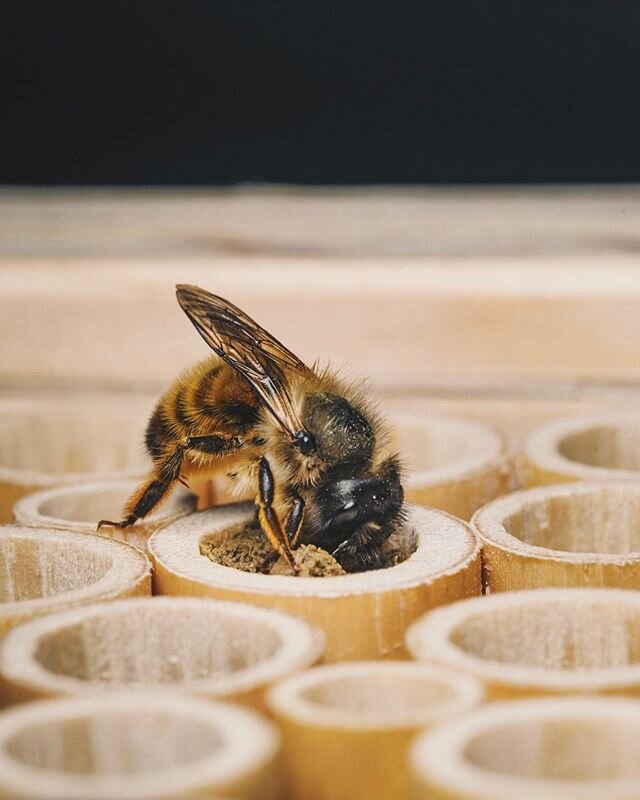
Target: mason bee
{"points": [[308, 444]]}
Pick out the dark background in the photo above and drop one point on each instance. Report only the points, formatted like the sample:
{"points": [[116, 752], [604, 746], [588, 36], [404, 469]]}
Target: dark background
{"points": [[422, 91]]}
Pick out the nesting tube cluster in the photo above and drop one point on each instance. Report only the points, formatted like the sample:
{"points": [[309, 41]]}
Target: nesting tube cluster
{"points": [[212, 688]]}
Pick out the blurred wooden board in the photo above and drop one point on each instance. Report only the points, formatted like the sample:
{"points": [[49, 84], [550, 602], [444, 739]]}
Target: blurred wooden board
{"points": [[290, 222], [489, 299], [397, 322]]}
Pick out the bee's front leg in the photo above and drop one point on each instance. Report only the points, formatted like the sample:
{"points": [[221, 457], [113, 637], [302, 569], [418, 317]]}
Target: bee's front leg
{"points": [[293, 527], [269, 520]]}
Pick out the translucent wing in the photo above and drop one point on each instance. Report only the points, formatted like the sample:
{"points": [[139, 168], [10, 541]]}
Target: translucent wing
{"points": [[260, 358]]}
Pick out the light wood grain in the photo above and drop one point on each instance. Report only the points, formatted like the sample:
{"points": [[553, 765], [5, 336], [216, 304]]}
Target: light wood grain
{"points": [[398, 322], [319, 222]]}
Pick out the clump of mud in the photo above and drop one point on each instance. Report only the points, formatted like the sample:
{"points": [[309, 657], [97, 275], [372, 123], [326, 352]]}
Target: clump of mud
{"points": [[312, 561], [249, 550]]}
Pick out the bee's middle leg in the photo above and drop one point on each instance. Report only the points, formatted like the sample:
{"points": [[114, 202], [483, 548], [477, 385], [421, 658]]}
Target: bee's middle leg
{"points": [[269, 520]]}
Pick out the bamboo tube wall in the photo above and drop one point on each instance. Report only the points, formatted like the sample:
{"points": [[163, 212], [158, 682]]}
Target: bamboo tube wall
{"points": [[571, 534], [363, 615]]}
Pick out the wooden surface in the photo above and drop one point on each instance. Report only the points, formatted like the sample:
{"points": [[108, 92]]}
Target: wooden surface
{"points": [[510, 305]]}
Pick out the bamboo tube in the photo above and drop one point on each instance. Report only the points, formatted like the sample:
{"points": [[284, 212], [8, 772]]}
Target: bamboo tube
{"points": [[599, 447], [363, 715], [456, 465], [550, 749], [141, 745], [572, 534], [78, 508], [545, 641], [211, 648], [363, 615], [61, 442], [44, 570]]}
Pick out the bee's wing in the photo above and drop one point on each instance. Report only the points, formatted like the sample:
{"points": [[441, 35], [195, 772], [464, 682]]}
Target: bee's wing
{"points": [[255, 354]]}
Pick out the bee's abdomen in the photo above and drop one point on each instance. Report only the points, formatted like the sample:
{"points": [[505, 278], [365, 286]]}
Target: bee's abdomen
{"points": [[158, 435], [209, 399]]}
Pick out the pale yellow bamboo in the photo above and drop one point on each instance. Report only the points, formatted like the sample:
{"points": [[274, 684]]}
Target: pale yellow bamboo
{"points": [[56, 441], [544, 749], [598, 447], [363, 615], [364, 717], [456, 465], [572, 534], [546, 641], [44, 570], [80, 507], [142, 745], [210, 648]]}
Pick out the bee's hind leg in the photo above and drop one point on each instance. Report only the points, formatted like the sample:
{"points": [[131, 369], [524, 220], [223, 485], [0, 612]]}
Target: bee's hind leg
{"points": [[151, 493], [269, 520]]}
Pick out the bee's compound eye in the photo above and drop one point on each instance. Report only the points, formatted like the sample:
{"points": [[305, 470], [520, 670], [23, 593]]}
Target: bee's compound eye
{"points": [[305, 442]]}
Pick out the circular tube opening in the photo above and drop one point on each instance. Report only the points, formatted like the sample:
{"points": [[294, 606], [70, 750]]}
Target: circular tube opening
{"points": [[578, 749], [135, 745], [528, 642], [595, 448], [43, 570], [31, 569], [373, 694], [607, 446], [212, 647], [603, 520]]}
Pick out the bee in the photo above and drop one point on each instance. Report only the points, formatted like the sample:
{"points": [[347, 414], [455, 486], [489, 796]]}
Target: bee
{"points": [[309, 445]]}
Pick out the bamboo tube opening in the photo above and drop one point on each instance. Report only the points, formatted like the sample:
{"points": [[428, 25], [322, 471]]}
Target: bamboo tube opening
{"points": [[43, 570], [364, 614], [576, 534], [537, 642], [135, 745], [365, 715], [578, 749], [456, 465], [68, 442], [78, 508], [594, 448], [208, 647]]}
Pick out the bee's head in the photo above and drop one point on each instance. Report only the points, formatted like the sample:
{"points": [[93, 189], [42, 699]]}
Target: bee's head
{"points": [[354, 516], [336, 439]]}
